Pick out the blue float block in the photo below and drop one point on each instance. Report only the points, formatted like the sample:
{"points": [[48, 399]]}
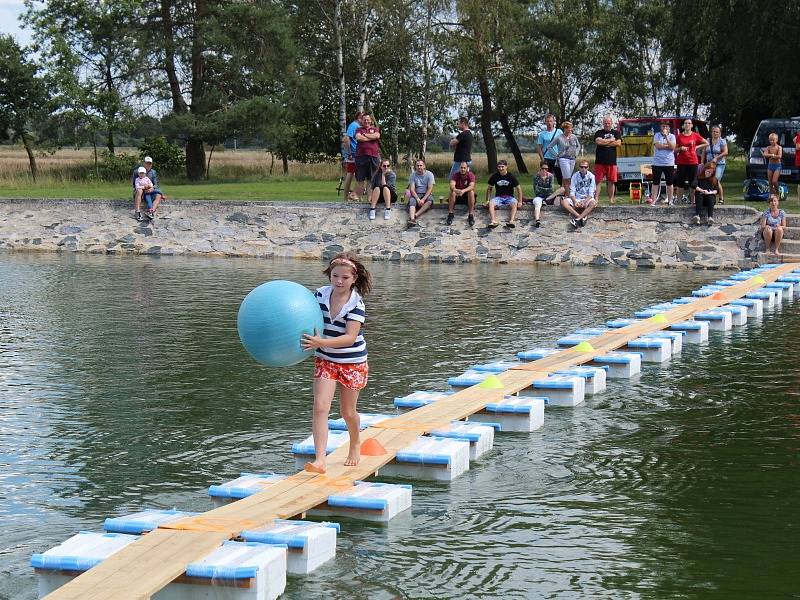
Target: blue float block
{"points": [[480, 436], [561, 390], [685, 300], [572, 340], [755, 307], [304, 451], [620, 323], [63, 563], [467, 379], [308, 544], [717, 320], [367, 501], [646, 313], [594, 377], [513, 413], [738, 313], [593, 331], [536, 354], [739, 277], [417, 399], [675, 338], [143, 521], [652, 349], [621, 365], [767, 295], [785, 286], [696, 331], [431, 458], [367, 420], [726, 282], [243, 486], [498, 366]]}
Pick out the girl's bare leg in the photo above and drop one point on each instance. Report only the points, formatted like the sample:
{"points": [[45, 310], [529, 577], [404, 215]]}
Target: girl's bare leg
{"points": [[347, 404], [323, 395], [778, 238], [767, 233]]}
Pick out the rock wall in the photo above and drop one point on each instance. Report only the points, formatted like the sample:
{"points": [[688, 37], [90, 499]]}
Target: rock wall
{"points": [[625, 235]]}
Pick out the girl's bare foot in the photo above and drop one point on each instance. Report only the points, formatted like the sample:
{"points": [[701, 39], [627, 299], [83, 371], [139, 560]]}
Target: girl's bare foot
{"points": [[318, 466], [353, 456]]}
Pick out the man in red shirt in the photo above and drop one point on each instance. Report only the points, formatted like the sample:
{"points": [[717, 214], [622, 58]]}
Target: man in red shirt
{"points": [[687, 145], [462, 185], [368, 151]]}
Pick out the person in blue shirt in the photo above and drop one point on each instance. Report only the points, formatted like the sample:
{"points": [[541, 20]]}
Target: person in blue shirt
{"points": [[349, 145], [543, 140]]}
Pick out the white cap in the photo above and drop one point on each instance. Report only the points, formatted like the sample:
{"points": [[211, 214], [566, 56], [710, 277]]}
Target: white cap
{"points": [[142, 170], [148, 159]]}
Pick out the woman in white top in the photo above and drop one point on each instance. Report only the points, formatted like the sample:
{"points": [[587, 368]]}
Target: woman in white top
{"points": [[567, 147], [716, 152]]}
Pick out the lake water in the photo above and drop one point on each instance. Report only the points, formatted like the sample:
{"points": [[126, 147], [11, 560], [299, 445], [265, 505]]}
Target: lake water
{"points": [[123, 386]]}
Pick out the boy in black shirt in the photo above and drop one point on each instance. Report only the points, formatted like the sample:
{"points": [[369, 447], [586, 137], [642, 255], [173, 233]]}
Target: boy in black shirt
{"points": [[507, 193]]}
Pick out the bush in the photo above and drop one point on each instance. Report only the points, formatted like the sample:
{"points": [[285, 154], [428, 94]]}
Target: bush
{"points": [[112, 167], [167, 158]]}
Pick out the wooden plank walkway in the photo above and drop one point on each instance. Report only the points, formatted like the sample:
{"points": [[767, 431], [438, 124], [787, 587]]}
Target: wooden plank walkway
{"points": [[147, 565]]}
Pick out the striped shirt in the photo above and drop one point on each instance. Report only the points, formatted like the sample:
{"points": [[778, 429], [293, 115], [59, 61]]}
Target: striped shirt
{"points": [[353, 310]]}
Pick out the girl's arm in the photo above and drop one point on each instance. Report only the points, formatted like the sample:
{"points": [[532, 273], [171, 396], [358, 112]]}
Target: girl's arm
{"points": [[763, 223], [724, 151], [343, 341]]}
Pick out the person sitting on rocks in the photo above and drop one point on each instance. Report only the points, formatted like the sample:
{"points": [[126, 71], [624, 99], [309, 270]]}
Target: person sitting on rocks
{"points": [[383, 188], [773, 225], [155, 195], [705, 194], [143, 188], [581, 196], [543, 192], [462, 186], [507, 192], [420, 190]]}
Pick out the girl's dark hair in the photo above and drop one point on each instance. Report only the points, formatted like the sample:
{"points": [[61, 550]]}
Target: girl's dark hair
{"points": [[347, 259], [709, 166]]}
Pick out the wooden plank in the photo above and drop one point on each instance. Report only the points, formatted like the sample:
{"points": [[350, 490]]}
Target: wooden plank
{"points": [[144, 567]]}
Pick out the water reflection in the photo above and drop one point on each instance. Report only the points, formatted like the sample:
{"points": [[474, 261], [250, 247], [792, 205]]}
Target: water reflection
{"points": [[123, 385]]}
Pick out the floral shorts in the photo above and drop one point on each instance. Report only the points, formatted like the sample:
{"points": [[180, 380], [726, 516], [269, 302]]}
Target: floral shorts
{"points": [[350, 375]]}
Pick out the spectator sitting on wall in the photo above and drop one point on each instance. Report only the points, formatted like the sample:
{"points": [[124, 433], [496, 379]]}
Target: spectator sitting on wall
{"points": [[581, 196], [773, 225], [706, 191], [155, 195], [543, 192], [462, 186], [507, 192], [420, 192], [383, 188]]}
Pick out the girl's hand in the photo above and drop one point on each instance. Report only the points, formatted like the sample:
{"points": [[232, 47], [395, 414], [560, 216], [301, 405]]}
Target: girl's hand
{"points": [[312, 342]]}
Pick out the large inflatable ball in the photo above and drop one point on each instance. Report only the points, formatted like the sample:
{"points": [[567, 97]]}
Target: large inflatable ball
{"points": [[272, 320]]}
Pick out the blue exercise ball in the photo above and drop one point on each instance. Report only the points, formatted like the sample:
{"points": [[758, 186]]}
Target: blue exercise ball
{"points": [[272, 320]]}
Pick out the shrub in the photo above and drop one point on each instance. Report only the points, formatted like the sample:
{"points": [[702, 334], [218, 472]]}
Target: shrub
{"points": [[111, 167], [167, 158]]}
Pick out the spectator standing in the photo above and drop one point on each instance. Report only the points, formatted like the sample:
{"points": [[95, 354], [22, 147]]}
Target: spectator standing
{"points": [[797, 159], [567, 149], [462, 185], [383, 188], [420, 188], [462, 146], [543, 191], [581, 196], [605, 159], [773, 225], [544, 139], [774, 155], [664, 160], [706, 192], [350, 145], [716, 151], [368, 150], [507, 192], [688, 144]]}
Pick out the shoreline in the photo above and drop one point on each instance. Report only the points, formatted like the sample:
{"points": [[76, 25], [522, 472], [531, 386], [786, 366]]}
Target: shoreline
{"points": [[628, 236]]}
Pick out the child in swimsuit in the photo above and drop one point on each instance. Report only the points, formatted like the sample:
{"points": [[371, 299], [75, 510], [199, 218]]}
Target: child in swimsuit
{"points": [[773, 153]]}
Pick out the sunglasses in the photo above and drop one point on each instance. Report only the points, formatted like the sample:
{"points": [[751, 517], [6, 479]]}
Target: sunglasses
{"points": [[384, 165], [584, 167]]}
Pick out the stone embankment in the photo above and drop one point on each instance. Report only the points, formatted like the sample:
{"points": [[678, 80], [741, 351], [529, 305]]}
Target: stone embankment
{"points": [[623, 235]]}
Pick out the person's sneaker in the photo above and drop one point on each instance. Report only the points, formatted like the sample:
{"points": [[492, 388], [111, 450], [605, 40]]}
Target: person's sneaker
{"points": [[450, 217], [387, 213], [538, 223], [696, 220], [582, 221], [412, 222], [151, 214], [574, 222], [138, 215], [471, 220], [371, 214], [511, 224], [493, 224], [710, 221]]}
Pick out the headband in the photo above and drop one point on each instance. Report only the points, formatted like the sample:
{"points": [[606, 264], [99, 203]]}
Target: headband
{"points": [[344, 261]]}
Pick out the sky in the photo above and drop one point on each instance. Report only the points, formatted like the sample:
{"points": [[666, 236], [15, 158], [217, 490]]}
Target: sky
{"points": [[10, 10]]}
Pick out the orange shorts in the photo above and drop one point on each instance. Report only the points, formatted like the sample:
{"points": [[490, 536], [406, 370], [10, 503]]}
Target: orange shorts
{"points": [[349, 167], [350, 375], [608, 172]]}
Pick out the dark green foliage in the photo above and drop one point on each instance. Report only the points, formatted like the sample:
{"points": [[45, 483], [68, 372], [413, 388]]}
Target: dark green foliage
{"points": [[113, 167], [169, 158]]}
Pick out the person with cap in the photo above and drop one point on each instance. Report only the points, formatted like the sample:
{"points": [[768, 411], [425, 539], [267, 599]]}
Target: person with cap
{"points": [[154, 195]]}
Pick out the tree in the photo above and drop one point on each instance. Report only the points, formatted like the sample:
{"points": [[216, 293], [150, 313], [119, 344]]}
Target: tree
{"points": [[24, 98]]}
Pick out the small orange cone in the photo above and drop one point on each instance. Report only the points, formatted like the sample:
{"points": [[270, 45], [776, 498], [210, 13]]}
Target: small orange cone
{"points": [[718, 296], [372, 447]]}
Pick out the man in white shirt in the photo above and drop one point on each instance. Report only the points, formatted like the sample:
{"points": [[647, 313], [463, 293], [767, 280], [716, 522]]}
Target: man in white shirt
{"points": [[581, 200]]}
